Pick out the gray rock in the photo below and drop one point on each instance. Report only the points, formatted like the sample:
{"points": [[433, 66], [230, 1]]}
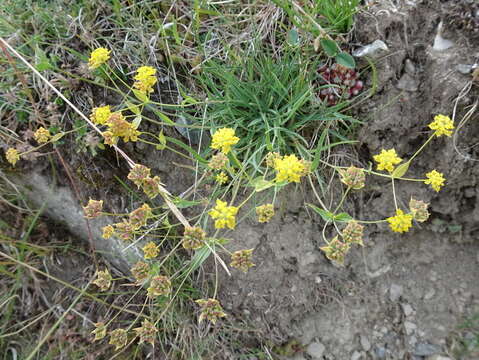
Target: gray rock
{"points": [[395, 292], [430, 294], [408, 83], [365, 344], [356, 355], [315, 350], [381, 352], [425, 349], [407, 309], [410, 327], [438, 357]]}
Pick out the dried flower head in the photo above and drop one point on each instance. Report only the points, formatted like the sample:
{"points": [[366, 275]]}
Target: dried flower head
{"points": [[435, 179], [93, 209], [336, 250], [223, 139], [151, 250], [289, 168], [138, 174], [103, 280], [120, 128], [124, 230], [224, 215], [139, 217], [42, 135], [401, 222], [210, 309], [140, 271], [218, 161], [108, 232], [221, 178], [387, 160], [100, 331], [193, 238], [145, 79], [353, 233], [242, 260], [98, 57], [12, 156], [159, 285], [118, 338], [353, 177], [265, 212], [108, 138], [419, 210], [146, 332], [442, 125], [271, 158], [101, 115], [151, 186]]}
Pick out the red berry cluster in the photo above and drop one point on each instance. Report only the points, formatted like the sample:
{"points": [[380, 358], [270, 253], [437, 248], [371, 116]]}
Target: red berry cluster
{"points": [[344, 83]]}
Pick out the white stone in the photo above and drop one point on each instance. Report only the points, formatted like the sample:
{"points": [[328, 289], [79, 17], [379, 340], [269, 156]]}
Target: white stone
{"points": [[315, 350]]}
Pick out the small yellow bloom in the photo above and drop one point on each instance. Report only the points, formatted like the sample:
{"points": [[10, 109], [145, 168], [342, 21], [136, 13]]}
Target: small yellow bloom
{"points": [[435, 179], [42, 135], [289, 168], [119, 338], [108, 232], [119, 127], [103, 280], [159, 285], [265, 212], [210, 309], [242, 260], [223, 140], [387, 160], [12, 156], [221, 178], [145, 79], [151, 250], [193, 238], [100, 331], [98, 57], [100, 115], [93, 209], [401, 222], [442, 125], [224, 215], [146, 332]]}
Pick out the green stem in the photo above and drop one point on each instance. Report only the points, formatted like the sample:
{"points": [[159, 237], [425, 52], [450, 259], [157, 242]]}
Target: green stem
{"points": [[421, 148], [394, 194]]}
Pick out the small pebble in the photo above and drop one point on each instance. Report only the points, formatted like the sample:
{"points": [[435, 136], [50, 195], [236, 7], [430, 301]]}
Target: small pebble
{"points": [[407, 309], [395, 292]]}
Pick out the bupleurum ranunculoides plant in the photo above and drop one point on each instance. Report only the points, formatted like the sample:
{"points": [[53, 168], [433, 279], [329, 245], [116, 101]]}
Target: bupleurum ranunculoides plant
{"points": [[390, 166]]}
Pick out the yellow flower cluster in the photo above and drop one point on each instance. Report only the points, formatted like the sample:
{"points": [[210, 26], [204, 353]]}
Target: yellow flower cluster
{"points": [[387, 160], [100, 115], [400, 222], [103, 280], [224, 215], [42, 135], [221, 178], [145, 79], [435, 179], [12, 156], [442, 125], [289, 168], [97, 57], [210, 309], [151, 250], [265, 212], [224, 139]]}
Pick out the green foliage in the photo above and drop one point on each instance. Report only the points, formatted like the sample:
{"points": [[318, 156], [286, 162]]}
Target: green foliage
{"points": [[271, 103], [336, 15]]}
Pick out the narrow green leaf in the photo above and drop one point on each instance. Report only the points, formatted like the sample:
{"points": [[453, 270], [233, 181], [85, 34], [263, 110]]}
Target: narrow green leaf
{"points": [[261, 184], [162, 140], [326, 215], [141, 96], [293, 37], [346, 60], [343, 217], [136, 121]]}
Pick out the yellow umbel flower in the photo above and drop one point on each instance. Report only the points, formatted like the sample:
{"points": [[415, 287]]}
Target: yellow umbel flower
{"points": [[151, 250], [435, 179], [12, 156], [224, 215], [401, 222], [42, 135], [265, 212], [442, 125], [387, 160], [100, 115], [223, 140], [108, 231], [97, 57], [145, 79], [289, 168], [119, 127], [221, 178]]}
